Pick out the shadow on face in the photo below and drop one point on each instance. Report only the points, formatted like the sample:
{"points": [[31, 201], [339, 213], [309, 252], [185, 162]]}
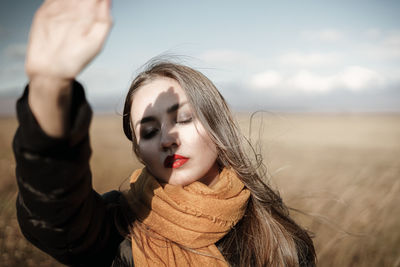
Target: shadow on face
{"points": [[153, 141]]}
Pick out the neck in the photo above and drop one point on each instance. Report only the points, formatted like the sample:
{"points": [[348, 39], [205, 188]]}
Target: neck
{"points": [[211, 177]]}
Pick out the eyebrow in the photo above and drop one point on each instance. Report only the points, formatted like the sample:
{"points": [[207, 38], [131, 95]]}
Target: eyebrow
{"points": [[174, 107], [170, 110]]}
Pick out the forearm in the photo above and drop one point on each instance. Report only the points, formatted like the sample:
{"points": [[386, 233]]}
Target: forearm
{"points": [[53, 170], [50, 100], [64, 38], [57, 209]]}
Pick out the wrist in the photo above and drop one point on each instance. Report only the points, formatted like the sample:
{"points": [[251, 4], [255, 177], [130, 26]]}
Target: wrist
{"points": [[49, 100], [53, 82], [49, 86]]}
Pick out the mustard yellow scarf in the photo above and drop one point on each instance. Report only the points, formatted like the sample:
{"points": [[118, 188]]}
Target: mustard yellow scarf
{"points": [[179, 225]]}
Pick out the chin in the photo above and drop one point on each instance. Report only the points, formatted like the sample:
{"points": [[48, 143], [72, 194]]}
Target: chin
{"points": [[179, 181], [174, 176]]}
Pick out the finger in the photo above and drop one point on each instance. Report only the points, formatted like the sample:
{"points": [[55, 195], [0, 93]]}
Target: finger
{"points": [[98, 36], [48, 6], [99, 32], [53, 8], [104, 10]]}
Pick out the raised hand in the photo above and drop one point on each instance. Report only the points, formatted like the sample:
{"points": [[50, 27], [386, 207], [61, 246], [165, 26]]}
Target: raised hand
{"points": [[65, 36]]}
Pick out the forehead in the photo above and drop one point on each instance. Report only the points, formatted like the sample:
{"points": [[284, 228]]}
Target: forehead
{"points": [[155, 97]]}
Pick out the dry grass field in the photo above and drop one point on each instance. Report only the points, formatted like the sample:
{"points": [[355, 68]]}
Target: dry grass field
{"points": [[341, 171]]}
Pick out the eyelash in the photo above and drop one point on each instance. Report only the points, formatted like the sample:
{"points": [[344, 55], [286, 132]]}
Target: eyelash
{"points": [[148, 134], [185, 121]]}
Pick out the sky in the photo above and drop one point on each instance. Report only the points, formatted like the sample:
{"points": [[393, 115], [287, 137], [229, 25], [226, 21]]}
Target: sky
{"points": [[307, 56]]}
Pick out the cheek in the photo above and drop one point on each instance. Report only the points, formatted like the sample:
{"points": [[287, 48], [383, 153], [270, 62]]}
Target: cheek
{"points": [[147, 152], [201, 142]]}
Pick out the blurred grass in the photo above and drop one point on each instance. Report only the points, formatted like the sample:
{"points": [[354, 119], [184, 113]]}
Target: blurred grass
{"points": [[342, 171]]}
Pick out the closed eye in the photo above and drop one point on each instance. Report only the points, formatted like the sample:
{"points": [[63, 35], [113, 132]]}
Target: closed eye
{"points": [[149, 133], [185, 121]]}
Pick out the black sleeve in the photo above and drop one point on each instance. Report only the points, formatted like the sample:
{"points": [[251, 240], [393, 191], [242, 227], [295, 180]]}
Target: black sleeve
{"points": [[57, 208]]}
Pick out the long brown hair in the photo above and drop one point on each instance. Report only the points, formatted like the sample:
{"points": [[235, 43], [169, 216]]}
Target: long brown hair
{"points": [[266, 235]]}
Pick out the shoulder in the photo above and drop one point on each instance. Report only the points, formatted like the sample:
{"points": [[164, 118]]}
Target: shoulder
{"points": [[112, 197]]}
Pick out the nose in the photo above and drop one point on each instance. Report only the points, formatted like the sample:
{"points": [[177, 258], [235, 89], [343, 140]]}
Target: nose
{"points": [[169, 138]]}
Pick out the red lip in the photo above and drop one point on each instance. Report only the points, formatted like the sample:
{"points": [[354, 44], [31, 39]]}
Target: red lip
{"points": [[174, 161]]}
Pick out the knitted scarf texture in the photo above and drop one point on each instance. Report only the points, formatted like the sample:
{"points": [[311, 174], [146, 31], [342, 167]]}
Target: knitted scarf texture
{"points": [[179, 225]]}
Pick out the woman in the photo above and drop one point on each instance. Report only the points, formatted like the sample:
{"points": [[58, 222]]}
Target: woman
{"points": [[199, 200]]}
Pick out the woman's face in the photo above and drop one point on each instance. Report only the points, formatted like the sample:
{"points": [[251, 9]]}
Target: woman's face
{"points": [[171, 141]]}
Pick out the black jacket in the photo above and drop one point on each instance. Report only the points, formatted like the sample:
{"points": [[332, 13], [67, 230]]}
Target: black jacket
{"points": [[57, 208]]}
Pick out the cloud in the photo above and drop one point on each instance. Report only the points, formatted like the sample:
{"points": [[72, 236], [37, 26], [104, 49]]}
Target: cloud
{"points": [[357, 78], [392, 39], [386, 47], [373, 33], [371, 43], [326, 35], [394, 76], [309, 59], [353, 78], [308, 81], [266, 80]]}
